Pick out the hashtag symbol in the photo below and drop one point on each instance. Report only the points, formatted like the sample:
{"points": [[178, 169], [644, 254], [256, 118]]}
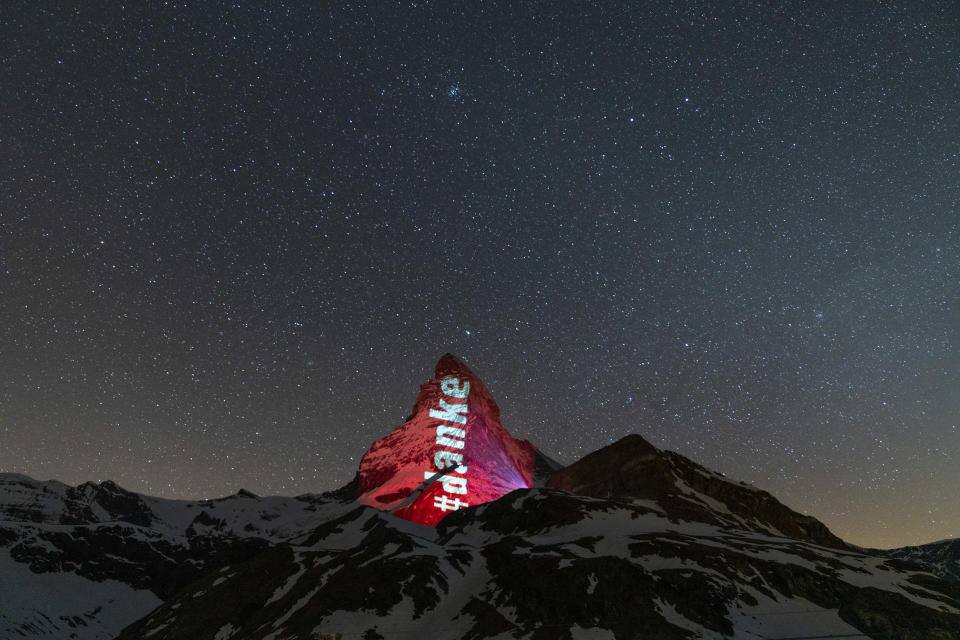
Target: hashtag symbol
{"points": [[444, 503]]}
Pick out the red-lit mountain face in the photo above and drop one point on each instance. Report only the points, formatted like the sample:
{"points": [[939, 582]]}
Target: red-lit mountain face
{"points": [[453, 436]]}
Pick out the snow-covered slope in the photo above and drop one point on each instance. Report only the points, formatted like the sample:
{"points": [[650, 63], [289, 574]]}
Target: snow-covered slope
{"points": [[82, 562], [545, 564], [630, 542], [59, 605]]}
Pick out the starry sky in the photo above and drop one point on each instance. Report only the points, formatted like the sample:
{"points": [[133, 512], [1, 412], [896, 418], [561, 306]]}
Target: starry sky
{"points": [[236, 237]]}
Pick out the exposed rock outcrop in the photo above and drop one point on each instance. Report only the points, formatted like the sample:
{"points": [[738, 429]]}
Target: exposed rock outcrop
{"points": [[634, 468]]}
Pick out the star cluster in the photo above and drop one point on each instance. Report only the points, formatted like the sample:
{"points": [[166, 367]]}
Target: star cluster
{"points": [[234, 239]]}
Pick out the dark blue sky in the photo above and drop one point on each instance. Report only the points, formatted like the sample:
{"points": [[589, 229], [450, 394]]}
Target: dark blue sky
{"points": [[236, 240]]}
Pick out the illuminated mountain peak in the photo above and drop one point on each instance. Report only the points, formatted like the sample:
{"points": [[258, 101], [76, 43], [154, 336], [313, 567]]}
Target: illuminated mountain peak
{"points": [[452, 452]]}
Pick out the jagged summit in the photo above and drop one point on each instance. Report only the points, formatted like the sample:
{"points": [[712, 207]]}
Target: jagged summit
{"points": [[452, 452]]}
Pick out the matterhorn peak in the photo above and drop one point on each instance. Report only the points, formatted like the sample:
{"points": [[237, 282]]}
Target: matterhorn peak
{"points": [[451, 453]]}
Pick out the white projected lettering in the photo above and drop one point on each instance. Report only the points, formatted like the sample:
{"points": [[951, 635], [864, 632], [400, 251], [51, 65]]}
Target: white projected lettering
{"points": [[451, 484], [454, 482], [446, 436], [451, 412], [443, 459], [451, 387]]}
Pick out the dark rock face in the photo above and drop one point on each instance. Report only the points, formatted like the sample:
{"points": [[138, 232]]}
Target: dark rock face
{"points": [[52, 502], [634, 468], [141, 559], [118, 504], [941, 558], [454, 436]]}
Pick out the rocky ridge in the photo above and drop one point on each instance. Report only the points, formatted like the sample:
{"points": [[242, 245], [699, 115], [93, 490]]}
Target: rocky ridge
{"points": [[628, 542], [123, 553], [544, 563], [942, 558]]}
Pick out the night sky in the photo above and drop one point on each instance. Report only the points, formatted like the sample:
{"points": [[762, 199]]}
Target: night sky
{"points": [[234, 240]]}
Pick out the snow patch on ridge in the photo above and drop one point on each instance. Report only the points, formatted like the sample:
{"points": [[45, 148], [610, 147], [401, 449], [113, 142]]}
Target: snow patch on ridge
{"points": [[285, 588], [225, 632], [42, 603]]}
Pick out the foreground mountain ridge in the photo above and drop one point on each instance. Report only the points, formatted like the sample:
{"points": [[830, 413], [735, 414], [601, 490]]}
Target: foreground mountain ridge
{"points": [[628, 542], [658, 559], [85, 561], [941, 557], [638, 559]]}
